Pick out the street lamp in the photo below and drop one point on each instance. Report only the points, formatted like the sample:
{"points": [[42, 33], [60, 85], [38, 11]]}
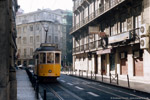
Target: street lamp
{"points": [[45, 25]]}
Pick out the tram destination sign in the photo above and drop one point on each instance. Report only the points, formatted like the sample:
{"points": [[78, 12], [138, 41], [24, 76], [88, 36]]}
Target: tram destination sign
{"points": [[48, 45]]}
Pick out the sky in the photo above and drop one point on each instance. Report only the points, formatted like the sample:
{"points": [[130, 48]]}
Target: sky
{"points": [[33, 5]]}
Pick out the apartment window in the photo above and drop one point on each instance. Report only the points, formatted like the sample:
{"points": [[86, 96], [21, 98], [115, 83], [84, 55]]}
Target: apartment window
{"points": [[114, 29], [24, 40], [19, 30], [86, 12], [31, 51], [56, 39], [25, 52], [49, 38], [37, 38], [124, 26], [137, 22], [37, 26], [31, 39], [19, 51], [31, 27], [19, 40], [24, 29]]}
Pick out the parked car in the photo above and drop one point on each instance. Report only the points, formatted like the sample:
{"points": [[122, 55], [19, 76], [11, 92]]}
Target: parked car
{"points": [[21, 67], [31, 67]]}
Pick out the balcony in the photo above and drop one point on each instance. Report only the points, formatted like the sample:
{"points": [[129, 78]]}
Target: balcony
{"points": [[78, 49], [97, 13], [92, 45], [78, 4], [86, 46], [82, 48]]}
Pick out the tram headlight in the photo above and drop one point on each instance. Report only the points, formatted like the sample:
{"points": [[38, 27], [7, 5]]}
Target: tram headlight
{"points": [[50, 71]]}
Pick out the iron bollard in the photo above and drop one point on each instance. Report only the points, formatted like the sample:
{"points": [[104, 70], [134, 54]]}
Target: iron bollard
{"points": [[79, 73], [102, 76], [91, 74], [110, 77], [117, 80], [95, 76], [82, 73], [45, 95], [128, 80], [87, 74], [37, 90]]}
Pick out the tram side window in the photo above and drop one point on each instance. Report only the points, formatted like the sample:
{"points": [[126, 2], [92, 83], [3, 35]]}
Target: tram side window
{"points": [[50, 58], [57, 58], [42, 58]]}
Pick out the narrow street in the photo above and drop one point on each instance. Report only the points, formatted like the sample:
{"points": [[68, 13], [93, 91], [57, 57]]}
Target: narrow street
{"points": [[73, 88]]}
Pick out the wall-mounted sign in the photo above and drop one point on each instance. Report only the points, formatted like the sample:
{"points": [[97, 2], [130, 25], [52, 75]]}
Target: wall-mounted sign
{"points": [[119, 37], [105, 51], [93, 29]]}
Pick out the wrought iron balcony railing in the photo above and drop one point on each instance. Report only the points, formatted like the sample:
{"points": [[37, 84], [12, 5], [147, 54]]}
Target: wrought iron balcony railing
{"points": [[98, 12], [82, 48], [92, 45]]}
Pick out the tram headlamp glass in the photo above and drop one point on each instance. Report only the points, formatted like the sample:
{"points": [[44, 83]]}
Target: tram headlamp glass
{"points": [[50, 71]]}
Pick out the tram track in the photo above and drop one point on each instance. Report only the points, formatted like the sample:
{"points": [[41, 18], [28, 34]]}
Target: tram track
{"points": [[55, 93], [63, 89], [112, 93]]}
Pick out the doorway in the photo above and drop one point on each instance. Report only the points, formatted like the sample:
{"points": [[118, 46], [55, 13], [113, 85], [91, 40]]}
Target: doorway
{"points": [[103, 64], [124, 66], [112, 63], [96, 64]]}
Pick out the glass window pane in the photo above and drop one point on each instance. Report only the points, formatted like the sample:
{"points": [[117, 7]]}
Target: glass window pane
{"points": [[57, 58], [42, 58], [50, 58]]}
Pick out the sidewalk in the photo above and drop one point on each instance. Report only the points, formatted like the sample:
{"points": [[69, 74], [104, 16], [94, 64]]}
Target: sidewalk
{"points": [[139, 85], [25, 90]]}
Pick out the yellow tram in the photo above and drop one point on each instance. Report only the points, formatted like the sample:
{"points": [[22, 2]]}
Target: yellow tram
{"points": [[47, 61]]}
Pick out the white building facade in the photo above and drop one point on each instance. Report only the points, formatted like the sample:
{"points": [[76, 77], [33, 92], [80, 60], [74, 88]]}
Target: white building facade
{"points": [[31, 33], [112, 36]]}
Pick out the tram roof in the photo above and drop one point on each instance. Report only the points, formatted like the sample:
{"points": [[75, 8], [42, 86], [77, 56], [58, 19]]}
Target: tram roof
{"points": [[47, 48]]}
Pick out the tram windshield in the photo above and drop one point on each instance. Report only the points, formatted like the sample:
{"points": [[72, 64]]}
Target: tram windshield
{"points": [[42, 58], [57, 57], [50, 58]]}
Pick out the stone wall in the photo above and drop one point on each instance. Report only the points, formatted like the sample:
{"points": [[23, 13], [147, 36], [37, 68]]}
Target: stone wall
{"points": [[8, 88]]}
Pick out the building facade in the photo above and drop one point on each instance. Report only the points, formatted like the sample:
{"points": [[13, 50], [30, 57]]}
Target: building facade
{"points": [[112, 36], [67, 20], [8, 83], [31, 33]]}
